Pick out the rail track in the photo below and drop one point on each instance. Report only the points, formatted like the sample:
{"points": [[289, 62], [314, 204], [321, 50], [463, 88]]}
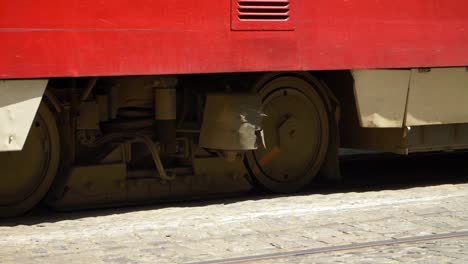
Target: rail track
{"points": [[312, 251]]}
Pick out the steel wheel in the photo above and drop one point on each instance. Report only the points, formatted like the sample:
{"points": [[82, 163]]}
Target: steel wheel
{"points": [[296, 134], [26, 175]]}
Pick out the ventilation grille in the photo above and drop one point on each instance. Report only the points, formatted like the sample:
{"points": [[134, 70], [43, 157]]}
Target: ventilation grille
{"points": [[263, 10]]}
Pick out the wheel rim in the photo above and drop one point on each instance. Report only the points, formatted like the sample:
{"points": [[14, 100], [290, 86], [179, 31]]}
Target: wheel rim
{"points": [[27, 174], [295, 135]]}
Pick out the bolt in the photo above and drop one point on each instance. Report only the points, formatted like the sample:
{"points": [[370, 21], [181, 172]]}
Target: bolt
{"points": [[121, 184], [157, 83], [10, 139], [187, 180], [234, 175], [90, 186], [139, 184], [292, 133]]}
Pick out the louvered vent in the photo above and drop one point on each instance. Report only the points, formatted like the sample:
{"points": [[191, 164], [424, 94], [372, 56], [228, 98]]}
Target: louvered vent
{"points": [[263, 10], [262, 14]]}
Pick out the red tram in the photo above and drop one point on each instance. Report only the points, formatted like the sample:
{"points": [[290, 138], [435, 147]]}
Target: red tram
{"points": [[116, 102]]}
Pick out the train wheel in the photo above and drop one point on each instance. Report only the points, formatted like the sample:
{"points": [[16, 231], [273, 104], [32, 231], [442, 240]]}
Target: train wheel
{"points": [[296, 134], [26, 175]]}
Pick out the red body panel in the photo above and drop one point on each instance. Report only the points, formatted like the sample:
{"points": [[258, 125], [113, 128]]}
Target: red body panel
{"points": [[44, 38]]}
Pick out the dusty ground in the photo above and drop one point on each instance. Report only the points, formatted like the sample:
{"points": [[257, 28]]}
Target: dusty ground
{"points": [[191, 232]]}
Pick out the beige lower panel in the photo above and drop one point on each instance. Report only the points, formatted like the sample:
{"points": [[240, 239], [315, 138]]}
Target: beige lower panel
{"points": [[438, 138], [438, 96], [19, 101], [381, 97]]}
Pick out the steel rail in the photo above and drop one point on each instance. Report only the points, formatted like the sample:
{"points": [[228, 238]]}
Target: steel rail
{"points": [[335, 248]]}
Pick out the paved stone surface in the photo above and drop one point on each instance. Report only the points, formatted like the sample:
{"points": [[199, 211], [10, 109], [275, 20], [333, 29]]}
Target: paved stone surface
{"points": [[439, 251], [184, 233]]}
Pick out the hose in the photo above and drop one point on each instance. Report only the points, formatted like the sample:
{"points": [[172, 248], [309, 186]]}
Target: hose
{"points": [[150, 144]]}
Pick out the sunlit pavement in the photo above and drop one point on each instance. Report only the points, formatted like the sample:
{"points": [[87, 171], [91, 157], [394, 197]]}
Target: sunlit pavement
{"points": [[180, 233]]}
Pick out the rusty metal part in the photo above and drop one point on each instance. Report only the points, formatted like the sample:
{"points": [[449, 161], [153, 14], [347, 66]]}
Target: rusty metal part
{"points": [[354, 246], [230, 122], [27, 174], [296, 133]]}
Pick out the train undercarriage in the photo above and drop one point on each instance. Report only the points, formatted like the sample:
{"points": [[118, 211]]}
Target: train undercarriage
{"points": [[108, 141], [96, 142]]}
